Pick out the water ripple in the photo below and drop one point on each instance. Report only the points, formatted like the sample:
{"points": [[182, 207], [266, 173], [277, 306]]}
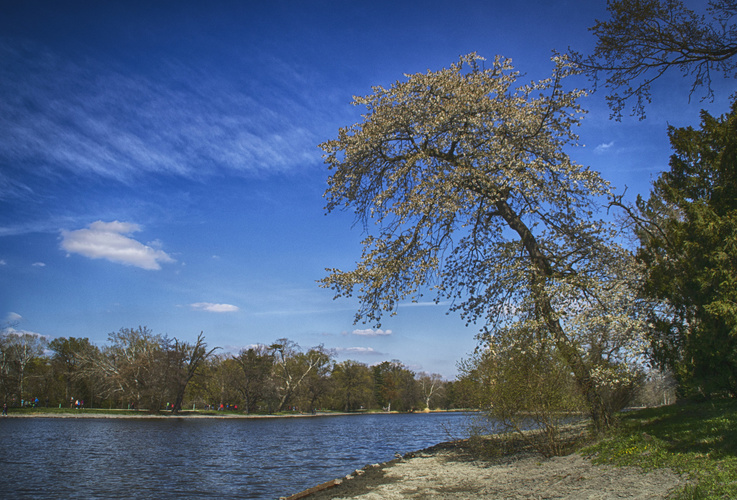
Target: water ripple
{"points": [[201, 458]]}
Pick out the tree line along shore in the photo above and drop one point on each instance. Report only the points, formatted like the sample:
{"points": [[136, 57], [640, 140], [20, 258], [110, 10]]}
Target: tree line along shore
{"points": [[141, 370], [138, 369]]}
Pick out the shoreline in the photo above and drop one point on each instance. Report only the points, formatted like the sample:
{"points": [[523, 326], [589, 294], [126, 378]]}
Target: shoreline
{"points": [[448, 471], [91, 413]]}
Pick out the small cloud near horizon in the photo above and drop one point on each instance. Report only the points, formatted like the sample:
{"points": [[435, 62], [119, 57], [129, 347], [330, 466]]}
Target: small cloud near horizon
{"points": [[19, 333], [109, 241], [236, 349], [210, 307], [358, 350], [369, 332]]}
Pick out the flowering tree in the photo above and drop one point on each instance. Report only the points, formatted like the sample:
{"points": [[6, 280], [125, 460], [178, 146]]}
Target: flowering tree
{"points": [[471, 192]]}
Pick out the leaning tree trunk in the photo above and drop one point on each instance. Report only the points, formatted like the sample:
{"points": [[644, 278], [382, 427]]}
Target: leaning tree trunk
{"points": [[598, 410]]}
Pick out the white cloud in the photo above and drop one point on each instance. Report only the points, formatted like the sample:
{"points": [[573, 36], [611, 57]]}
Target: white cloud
{"points": [[603, 148], [94, 119], [20, 333], [368, 332], [357, 350], [216, 308], [107, 240], [38, 264], [2, 262], [13, 317]]}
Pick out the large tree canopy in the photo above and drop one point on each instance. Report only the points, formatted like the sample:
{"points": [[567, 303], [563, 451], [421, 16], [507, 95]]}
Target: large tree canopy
{"points": [[688, 234], [471, 191], [645, 38]]}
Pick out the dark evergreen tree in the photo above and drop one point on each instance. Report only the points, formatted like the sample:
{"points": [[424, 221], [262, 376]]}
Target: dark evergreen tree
{"points": [[688, 234]]}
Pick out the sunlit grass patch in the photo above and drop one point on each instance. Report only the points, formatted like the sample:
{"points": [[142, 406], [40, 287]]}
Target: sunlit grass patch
{"points": [[698, 440]]}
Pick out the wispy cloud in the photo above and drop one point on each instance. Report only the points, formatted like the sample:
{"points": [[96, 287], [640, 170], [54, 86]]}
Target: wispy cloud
{"points": [[424, 304], [216, 308], [108, 240], [39, 264], [358, 350], [13, 317], [94, 118], [604, 147], [369, 332]]}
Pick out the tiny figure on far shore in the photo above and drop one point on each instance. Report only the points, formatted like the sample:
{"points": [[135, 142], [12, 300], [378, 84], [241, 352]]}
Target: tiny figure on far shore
{"points": [[5, 409]]}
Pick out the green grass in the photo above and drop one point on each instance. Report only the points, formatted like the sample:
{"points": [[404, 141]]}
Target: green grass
{"points": [[695, 439]]}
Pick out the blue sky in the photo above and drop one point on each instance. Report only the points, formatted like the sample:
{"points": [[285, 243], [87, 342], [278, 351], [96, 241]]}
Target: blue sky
{"points": [[159, 162]]}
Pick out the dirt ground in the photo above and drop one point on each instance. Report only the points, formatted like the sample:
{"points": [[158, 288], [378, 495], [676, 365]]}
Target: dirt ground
{"points": [[445, 472]]}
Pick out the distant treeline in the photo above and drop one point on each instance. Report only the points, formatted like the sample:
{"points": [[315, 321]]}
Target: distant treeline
{"points": [[142, 370]]}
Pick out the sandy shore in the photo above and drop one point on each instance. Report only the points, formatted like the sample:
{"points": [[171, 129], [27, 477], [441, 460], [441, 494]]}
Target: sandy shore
{"points": [[448, 472]]}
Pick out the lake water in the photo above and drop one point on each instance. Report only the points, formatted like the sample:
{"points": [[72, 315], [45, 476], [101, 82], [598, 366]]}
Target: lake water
{"points": [[203, 458]]}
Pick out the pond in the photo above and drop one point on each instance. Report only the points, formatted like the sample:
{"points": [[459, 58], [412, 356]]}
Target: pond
{"points": [[203, 458]]}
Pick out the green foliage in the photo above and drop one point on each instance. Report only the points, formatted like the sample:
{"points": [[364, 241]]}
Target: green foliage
{"points": [[353, 386], [688, 235], [252, 382], [68, 362], [471, 390], [395, 386], [222, 383], [138, 369], [184, 361], [695, 439], [530, 393]]}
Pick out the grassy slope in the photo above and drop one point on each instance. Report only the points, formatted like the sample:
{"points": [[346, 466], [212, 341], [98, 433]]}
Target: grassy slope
{"points": [[696, 439]]}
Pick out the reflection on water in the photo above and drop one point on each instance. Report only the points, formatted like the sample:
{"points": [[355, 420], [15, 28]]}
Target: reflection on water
{"points": [[202, 458]]}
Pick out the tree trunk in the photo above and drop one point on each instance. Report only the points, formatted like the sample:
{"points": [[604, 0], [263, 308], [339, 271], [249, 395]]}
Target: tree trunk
{"points": [[600, 414]]}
